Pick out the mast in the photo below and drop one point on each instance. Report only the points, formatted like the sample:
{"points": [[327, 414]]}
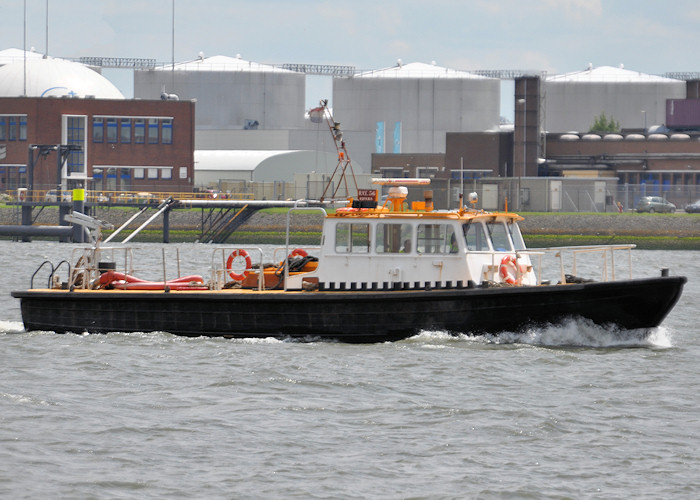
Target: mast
{"points": [[318, 115]]}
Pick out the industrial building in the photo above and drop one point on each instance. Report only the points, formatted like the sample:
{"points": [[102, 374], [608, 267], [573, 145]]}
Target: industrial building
{"points": [[572, 101], [242, 105], [232, 94], [409, 108], [659, 157], [64, 126], [407, 120], [215, 166]]}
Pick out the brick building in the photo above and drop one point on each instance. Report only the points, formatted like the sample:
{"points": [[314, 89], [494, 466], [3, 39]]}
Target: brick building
{"points": [[127, 145], [63, 125]]}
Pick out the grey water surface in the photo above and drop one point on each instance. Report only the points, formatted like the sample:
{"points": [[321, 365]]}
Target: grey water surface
{"points": [[568, 411]]}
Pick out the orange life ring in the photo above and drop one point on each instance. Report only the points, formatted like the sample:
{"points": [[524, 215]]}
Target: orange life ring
{"points": [[509, 270], [299, 252], [248, 264]]}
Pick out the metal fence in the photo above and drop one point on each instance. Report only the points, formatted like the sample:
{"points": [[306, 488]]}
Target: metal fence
{"points": [[535, 195], [520, 195]]}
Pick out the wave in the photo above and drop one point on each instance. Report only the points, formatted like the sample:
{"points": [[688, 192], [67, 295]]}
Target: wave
{"points": [[11, 326], [571, 333]]}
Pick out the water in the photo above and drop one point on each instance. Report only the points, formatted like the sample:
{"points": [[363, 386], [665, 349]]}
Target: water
{"points": [[559, 412]]}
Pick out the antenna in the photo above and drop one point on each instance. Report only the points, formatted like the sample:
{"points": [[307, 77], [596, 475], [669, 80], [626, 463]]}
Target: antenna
{"points": [[317, 115], [172, 52], [24, 49], [46, 54]]}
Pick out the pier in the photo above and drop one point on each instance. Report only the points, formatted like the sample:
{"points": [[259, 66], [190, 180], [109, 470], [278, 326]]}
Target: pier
{"points": [[220, 216]]}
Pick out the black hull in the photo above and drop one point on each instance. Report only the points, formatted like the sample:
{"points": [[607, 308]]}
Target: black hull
{"points": [[351, 316]]}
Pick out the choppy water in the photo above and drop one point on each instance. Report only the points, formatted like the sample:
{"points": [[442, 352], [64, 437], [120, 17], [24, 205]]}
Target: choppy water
{"points": [[559, 412]]}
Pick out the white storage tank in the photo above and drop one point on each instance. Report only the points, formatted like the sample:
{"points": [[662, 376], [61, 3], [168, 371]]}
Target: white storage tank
{"points": [[409, 108], [38, 77], [231, 93], [636, 100]]}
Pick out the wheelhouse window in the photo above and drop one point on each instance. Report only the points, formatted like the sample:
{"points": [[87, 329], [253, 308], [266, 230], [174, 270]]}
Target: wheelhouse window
{"points": [[394, 238], [351, 238], [475, 236], [516, 235], [125, 131], [98, 130], [436, 238], [499, 236]]}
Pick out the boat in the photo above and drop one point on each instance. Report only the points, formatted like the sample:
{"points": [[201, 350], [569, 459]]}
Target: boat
{"points": [[383, 272]]}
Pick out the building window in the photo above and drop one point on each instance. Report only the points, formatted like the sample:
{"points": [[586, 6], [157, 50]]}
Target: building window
{"points": [[97, 178], [152, 173], [125, 132], [22, 128], [389, 172], [166, 173], [139, 173], [110, 183], [98, 130], [111, 130], [75, 135], [139, 131], [183, 172], [13, 128], [12, 132], [427, 172], [153, 131], [167, 132]]}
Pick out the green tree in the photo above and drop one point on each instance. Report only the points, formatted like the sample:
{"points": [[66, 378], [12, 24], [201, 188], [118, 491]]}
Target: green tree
{"points": [[603, 124]]}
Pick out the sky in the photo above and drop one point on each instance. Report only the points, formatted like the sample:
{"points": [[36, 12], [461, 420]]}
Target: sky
{"points": [[556, 36]]}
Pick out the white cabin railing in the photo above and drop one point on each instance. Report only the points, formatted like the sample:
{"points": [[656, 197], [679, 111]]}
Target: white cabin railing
{"points": [[607, 264]]}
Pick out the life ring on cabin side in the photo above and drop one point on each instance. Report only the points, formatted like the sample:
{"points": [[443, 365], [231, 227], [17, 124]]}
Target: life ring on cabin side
{"points": [[248, 264], [509, 270], [297, 252]]}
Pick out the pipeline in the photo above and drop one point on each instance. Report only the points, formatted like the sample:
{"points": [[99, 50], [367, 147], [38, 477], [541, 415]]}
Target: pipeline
{"points": [[21, 230]]}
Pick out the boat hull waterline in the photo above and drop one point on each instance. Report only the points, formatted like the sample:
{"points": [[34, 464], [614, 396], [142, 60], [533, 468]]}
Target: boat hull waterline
{"points": [[351, 316]]}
